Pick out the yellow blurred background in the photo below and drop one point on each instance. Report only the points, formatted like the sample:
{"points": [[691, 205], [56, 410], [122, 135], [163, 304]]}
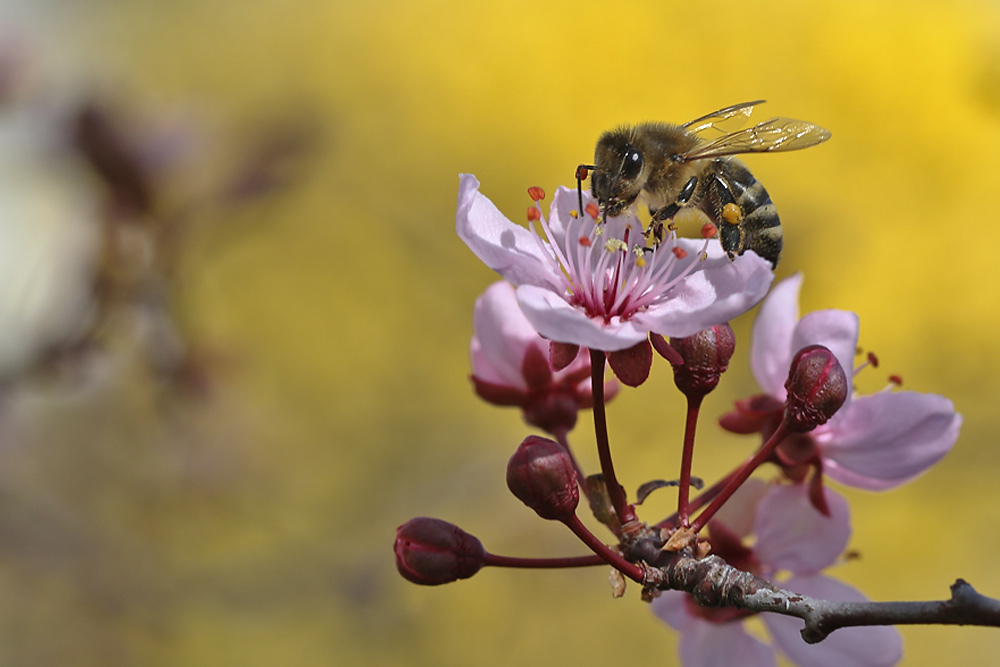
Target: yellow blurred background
{"points": [[250, 522]]}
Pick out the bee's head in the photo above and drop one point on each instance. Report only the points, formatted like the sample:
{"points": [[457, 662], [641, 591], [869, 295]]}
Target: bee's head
{"points": [[619, 172]]}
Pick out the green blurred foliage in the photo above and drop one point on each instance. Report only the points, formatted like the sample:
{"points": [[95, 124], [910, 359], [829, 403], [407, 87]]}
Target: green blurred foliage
{"points": [[255, 527]]}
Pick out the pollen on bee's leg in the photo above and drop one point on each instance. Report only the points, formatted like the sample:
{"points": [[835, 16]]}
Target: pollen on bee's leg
{"points": [[732, 214], [536, 193], [592, 210], [709, 231]]}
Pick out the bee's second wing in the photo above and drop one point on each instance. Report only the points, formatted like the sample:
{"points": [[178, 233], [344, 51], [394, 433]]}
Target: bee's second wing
{"points": [[773, 135]]}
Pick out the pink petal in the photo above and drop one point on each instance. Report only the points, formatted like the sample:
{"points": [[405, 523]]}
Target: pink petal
{"points": [[671, 608], [835, 329], [792, 535], [501, 337], [509, 249], [875, 646], [771, 340], [557, 320], [880, 441], [716, 291], [564, 201], [740, 512], [706, 644]]}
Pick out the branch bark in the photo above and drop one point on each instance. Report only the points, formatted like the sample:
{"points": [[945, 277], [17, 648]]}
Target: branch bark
{"points": [[714, 583]]}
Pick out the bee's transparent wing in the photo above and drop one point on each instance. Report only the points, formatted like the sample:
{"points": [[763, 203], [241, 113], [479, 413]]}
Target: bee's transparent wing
{"points": [[724, 121], [773, 135]]}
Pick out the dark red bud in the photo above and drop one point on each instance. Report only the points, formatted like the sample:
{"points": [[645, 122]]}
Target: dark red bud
{"points": [[817, 387], [706, 357], [432, 552], [542, 476], [552, 412]]}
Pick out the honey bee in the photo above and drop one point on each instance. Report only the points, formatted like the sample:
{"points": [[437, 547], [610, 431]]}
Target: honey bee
{"points": [[668, 167]]}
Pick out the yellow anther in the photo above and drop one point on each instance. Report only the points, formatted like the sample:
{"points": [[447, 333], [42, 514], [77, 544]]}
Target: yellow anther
{"points": [[615, 245]]}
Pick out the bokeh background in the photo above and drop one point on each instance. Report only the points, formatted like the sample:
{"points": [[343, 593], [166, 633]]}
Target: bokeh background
{"points": [[225, 383]]}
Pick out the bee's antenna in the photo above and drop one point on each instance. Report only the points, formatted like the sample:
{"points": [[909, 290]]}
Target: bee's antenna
{"points": [[581, 175]]}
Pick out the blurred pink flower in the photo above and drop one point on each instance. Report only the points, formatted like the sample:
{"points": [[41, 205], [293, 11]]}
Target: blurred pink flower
{"points": [[791, 536], [873, 442], [511, 365], [595, 285]]}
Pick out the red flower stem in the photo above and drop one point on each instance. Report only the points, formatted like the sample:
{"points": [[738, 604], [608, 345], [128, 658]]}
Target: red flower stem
{"points": [[705, 496], [572, 561], [624, 511], [687, 457], [740, 476], [694, 505], [609, 555]]}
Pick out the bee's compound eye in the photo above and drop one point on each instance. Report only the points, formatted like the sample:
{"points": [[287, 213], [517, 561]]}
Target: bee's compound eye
{"points": [[632, 164]]}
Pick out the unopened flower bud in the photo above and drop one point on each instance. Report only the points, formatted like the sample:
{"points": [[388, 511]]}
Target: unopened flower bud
{"points": [[552, 412], [542, 476], [706, 357], [432, 552], [816, 386]]}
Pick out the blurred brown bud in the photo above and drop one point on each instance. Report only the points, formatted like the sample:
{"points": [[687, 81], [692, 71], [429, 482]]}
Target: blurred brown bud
{"points": [[432, 552], [706, 357], [542, 476], [552, 412], [817, 387]]}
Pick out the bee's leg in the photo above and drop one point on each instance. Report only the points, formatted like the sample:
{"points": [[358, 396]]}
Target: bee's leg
{"points": [[671, 209], [667, 212], [729, 214]]}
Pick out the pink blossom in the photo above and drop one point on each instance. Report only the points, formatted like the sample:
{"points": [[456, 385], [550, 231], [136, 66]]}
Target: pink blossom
{"points": [[511, 365], [596, 285], [793, 537], [873, 442]]}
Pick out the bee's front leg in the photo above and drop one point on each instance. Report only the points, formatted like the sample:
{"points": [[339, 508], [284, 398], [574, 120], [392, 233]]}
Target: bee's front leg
{"points": [[667, 212]]}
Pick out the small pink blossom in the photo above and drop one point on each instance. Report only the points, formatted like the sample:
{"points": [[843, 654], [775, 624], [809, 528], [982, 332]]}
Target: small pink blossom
{"points": [[793, 537], [597, 285], [511, 365], [873, 442]]}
